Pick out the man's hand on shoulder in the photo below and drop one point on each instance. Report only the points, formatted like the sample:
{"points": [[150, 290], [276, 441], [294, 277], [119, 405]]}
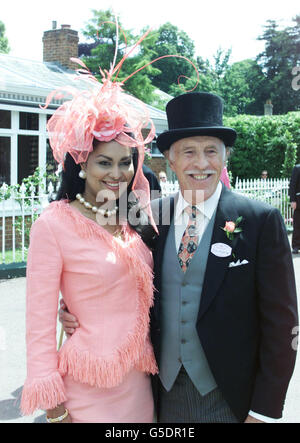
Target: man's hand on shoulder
{"points": [[294, 205], [69, 321]]}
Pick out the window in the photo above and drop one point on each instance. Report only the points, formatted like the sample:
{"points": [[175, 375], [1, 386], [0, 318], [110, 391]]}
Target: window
{"points": [[51, 164], [155, 150], [29, 121], [4, 160], [5, 119], [28, 155]]}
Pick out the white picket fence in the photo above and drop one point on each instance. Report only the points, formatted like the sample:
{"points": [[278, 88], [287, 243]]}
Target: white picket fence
{"points": [[168, 188], [19, 211], [273, 191]]}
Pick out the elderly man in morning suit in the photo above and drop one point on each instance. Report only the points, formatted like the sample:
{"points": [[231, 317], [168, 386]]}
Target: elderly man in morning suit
{"points": [[225, 304], [225, 308]]}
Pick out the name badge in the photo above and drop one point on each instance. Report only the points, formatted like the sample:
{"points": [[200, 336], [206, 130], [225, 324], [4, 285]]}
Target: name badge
{"points": [[221, 250]]}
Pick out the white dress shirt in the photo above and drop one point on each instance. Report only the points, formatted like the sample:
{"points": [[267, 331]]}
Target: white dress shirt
{"points": [[206, 210]]}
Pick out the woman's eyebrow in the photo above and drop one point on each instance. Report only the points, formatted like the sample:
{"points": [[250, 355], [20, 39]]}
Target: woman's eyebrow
{"points": [[109, 158], [105, 156]]}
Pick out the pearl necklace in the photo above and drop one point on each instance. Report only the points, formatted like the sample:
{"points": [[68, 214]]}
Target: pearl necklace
{"points": [[104, 212]]}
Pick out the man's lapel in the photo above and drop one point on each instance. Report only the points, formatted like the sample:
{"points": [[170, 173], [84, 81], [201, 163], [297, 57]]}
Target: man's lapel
{"points": [[217, 267]]}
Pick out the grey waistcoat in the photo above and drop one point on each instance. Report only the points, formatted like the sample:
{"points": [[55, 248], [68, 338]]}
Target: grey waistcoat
{"points": [[180, 301]]}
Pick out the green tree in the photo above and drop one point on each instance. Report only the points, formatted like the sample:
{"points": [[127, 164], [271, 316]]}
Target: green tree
{"points": [[281, 55], [207, 76], [101, 30], [290, 155], [241, 84], [243, 88], [207, 79], [262, 143], [4, 46], [221, 64], [171, 40], [211, 74]]}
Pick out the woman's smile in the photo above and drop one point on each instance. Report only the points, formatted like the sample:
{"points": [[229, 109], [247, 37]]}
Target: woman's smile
{"points": [[114, 186]]}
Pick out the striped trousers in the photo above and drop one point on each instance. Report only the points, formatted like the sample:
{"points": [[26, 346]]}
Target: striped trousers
{"points": [[184, 404]]}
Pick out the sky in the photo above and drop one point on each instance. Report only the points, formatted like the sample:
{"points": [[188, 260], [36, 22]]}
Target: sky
{"points": [[234, 24]]}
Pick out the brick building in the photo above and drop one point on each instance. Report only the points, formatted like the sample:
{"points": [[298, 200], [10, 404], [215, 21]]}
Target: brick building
{"points": [[59, 45]]}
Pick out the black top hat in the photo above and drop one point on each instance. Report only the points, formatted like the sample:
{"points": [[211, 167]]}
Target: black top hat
{"points": [[195, 113]]}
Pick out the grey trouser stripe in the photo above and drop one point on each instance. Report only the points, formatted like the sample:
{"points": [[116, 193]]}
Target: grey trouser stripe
{"points": [[184, 404]]}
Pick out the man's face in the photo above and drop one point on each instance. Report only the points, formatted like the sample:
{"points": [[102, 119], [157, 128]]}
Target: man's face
{"points": [[162, 177], [198, 162]]}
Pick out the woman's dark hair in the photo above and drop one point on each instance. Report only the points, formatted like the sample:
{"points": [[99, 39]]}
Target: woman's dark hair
{"points": [[71, 185]]}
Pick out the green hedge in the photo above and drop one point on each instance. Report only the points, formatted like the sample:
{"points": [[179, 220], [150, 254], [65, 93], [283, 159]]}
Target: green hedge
{"points": [[262, 143]]}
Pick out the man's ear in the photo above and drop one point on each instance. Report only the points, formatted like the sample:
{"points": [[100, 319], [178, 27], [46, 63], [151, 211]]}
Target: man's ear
{"points": [[169, 158]]}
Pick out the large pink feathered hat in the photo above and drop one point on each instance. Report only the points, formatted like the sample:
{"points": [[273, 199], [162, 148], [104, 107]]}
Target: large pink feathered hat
{"points": [[98, 110]]}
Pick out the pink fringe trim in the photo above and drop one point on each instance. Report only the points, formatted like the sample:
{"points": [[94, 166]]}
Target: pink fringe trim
{"points": [[98, 371], [42, 393]]}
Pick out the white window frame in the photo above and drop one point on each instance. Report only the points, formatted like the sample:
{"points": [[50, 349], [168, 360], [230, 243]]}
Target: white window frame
{"points": [[14, 132]]}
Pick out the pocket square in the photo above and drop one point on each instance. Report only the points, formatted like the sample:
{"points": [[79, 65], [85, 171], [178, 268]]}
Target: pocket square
{"points": [[238, 263]]}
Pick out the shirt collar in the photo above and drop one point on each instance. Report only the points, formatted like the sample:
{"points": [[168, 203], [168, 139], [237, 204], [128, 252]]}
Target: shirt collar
{"points": [[207, 207]]}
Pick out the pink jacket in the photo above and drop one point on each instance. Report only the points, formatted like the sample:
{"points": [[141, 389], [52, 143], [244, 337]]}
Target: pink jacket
{"points": [[106, 283]]}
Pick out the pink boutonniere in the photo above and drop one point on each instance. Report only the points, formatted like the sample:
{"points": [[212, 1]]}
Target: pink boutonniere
{"points": [[232, 228]]}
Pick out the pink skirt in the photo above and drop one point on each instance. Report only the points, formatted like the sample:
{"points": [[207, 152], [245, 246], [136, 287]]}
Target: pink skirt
{"points": [[129, 402]]}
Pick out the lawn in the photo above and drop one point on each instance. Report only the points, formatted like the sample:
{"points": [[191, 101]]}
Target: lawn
{"points": [[9, 257]]}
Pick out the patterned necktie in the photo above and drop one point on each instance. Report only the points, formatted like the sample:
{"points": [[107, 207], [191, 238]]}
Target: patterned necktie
{"points": [[189, 241]]}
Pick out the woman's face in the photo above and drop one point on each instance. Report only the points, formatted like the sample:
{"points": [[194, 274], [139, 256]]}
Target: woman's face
{"points": [[109, 170]]}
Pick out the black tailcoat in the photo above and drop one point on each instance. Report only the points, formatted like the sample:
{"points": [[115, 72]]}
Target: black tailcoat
{"points": [[248, 314]]}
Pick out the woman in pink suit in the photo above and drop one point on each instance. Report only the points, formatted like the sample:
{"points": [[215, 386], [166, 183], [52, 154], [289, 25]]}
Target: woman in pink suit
{"points": [[91, 245]]}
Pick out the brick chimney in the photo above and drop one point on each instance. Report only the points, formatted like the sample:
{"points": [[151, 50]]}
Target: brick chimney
{"points": [[59, 45]]}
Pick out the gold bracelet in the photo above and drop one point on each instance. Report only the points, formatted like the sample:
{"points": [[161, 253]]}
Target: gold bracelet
{"points": [[58, 419]]}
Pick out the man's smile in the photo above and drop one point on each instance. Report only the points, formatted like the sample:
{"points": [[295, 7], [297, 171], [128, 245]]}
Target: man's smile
{"points": [[200, 176]]}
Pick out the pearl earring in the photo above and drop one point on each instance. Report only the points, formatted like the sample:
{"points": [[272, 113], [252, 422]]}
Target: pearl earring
{"points": [[82, 174]]}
